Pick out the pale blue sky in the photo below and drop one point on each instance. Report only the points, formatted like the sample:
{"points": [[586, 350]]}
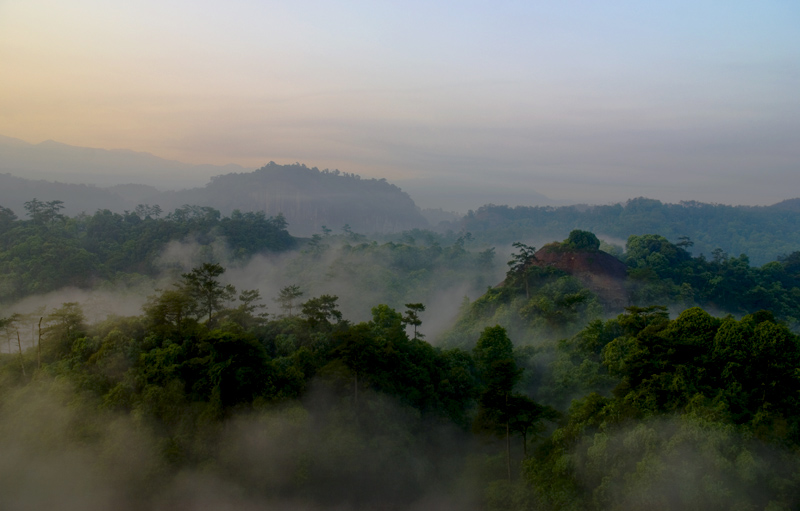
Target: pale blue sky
{"points": [[591, 101]]}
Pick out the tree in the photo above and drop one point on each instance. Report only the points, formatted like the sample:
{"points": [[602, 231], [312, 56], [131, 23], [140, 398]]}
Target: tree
{"points": [[11, 323], [7, 219], [171, 308], [248, 313], [321, 310], [412, 317], [201, 283], [525, 417], [582, 240], [65, 325], [494, 354], [685, 242], [144, 211], [359, 350], [519, 265], [287, 298], [44, 212]]}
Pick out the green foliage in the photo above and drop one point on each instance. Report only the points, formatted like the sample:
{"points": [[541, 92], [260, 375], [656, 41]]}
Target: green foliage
{"points": [[697, 411], [202, 285], [50, 251], [582, 241], [699, 404], [287, 298], [412, 317], [321, 310]]}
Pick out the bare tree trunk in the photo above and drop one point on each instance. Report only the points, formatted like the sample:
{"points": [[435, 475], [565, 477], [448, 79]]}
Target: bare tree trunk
{"points": [[21, 360], [39, 347]]}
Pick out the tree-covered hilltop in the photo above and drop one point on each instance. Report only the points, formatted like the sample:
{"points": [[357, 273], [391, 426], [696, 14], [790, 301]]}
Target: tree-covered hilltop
{"points": [[309, 198], [560, 288], [48, 250], [763, 233]]}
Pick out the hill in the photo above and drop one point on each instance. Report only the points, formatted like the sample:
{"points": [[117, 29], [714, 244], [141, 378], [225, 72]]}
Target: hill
{"points": [[602, 273], [308, 198]]}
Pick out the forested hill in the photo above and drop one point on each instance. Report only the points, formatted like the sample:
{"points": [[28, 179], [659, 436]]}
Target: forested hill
{"points": [[763, 233], [309, 198]]}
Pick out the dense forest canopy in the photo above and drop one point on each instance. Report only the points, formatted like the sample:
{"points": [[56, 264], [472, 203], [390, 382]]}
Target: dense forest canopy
{"points": [[586, 377], [48, 250], [222, 403]]}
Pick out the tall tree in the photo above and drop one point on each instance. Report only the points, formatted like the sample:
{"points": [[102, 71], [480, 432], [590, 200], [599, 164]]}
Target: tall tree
{"points": [[412, 317], [287, 298], [520, 264], [204, 286], [321, 310], [494, 354]]}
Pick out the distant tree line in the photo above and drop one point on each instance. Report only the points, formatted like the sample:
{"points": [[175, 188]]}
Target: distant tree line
{"points": [[48, 250], [763, 233]]}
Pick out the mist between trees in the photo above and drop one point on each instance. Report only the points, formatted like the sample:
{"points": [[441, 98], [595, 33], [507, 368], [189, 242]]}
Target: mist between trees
{"points": [[339, 372]]}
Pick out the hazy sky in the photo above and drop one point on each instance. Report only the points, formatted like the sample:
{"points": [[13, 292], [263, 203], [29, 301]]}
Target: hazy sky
{"points": [[577, 100]]}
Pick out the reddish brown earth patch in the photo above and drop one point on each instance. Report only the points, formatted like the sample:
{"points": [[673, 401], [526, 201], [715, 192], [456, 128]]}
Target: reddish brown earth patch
{"points": [[602, 273]]}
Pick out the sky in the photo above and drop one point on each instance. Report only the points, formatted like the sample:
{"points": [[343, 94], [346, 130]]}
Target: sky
{"points": [[577, 100]]}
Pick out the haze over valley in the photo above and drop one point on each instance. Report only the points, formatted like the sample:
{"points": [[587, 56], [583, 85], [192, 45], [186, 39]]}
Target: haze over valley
{"points": [[357, 256]]}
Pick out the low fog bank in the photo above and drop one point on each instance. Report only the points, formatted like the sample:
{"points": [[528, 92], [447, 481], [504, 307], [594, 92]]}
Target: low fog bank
{"points": [[359, 280], [59, 452], [682, 462]]}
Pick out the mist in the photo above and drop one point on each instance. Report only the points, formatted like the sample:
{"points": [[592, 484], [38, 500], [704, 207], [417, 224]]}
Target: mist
{"points": [[310, 456]]}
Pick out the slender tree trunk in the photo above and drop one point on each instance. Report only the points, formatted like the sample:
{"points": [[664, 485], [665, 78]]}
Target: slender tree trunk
{"points": [[525, 443], [508, 450], [21, 360], [39, 347]]}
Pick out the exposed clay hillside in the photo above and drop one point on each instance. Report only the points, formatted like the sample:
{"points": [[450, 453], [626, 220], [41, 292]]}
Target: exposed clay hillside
{"points": [[602, 273]]}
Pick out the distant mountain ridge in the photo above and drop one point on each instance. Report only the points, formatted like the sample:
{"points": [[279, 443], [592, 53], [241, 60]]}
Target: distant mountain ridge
{"points": [[307, 197], [77, 198], [55, 161]]}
